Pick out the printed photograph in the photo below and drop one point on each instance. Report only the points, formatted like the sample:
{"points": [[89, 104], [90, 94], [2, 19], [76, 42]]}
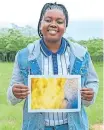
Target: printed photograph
{"points": [[52, 93]]}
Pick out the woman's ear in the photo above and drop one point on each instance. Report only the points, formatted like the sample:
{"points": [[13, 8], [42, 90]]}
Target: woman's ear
{"points": [[40, 29], [40, 26]]}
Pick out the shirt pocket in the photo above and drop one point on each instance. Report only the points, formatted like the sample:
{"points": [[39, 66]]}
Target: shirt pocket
{"points": [[83, 73], [24, 73], [83, 70], [79, 68]]}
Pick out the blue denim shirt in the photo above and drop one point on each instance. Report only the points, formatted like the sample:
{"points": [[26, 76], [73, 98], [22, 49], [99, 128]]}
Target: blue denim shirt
{"points": [[80, 63]]}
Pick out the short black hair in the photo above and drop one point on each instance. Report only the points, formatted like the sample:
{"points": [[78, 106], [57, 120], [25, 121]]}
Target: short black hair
{"points": [[51, 6]]}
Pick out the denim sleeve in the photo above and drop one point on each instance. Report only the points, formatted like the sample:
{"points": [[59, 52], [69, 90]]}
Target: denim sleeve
{"points": [[16, 79], [91, 82]]}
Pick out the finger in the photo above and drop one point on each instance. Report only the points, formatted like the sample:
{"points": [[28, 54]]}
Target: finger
{"points": [[87, 96], [87, 92], [21, 97], [86, 89], [21, 86], [87, 99], [18, 90], [22, 94]]}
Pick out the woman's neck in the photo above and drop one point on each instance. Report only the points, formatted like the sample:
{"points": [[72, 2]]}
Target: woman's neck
{"points": [[53, 45]]}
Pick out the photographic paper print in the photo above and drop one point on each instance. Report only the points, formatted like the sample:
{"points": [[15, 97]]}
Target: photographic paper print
{"points": [[54, 93]]}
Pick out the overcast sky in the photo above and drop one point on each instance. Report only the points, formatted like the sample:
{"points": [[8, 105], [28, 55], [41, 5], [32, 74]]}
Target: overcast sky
{"points": [[22, 12]]}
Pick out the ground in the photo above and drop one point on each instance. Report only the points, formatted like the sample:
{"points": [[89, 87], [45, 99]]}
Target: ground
{"points": [[98, 127]]}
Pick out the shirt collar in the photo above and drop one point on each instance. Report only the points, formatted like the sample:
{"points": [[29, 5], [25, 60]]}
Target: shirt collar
{"points": [[47, 52]]}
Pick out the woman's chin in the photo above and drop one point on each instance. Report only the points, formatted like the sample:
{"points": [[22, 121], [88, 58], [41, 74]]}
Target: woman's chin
{"points": [[52, 39]]}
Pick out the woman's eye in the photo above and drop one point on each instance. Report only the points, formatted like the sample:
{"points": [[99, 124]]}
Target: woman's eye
{"points": [[60, 22], [48, 20]]}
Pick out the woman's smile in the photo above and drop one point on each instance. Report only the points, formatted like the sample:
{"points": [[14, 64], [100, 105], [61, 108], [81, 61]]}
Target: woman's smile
{"points": [[52, 31]]}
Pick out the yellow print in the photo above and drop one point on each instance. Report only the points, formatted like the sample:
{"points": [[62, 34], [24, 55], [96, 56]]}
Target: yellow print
{"points": [[47, 93]]}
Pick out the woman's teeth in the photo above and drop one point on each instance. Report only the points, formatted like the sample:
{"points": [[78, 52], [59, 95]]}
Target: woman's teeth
{"points": [[52, 31]]}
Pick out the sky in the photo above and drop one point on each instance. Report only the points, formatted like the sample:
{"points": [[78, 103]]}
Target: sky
{"points": [[23, 12]]}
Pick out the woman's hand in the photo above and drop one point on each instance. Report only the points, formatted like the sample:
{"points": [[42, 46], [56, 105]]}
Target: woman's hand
{"points": [[87, 94], [20, 91]]}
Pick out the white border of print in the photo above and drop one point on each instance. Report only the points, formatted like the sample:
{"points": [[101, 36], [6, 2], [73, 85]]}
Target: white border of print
{"points": [[54, 76]]}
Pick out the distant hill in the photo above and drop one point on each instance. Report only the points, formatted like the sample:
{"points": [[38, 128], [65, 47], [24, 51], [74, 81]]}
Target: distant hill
{"points": [[26, 30], [77, 30]]}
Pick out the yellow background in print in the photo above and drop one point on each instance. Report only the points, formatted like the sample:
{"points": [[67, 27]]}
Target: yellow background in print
{"points": [[47, 93]]}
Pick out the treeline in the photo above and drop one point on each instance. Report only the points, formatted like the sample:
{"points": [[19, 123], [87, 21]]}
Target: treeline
{"points": [[95, 48], [13, 40]]}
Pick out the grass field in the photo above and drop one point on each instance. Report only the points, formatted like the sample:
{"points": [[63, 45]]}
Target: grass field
{"points": [[11, 116]]}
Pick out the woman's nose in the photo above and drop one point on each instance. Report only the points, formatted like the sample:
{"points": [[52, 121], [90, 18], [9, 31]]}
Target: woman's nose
{"points": [[53, 24]]}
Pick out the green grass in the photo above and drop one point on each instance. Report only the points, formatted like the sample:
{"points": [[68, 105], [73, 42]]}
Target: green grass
{"points": [[11, 116], [95, 111]]}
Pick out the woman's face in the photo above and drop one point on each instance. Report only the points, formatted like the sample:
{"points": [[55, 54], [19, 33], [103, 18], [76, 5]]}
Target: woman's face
{"points": [[53, 25]]}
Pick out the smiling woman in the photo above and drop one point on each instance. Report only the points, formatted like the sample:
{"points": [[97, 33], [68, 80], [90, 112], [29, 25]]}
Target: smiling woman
{"points": [[51, 55], [52, 25]]}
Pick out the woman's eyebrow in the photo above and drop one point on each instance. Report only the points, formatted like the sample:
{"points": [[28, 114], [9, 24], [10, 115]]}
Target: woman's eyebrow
{"points": [[58, 18], [47, 17]]}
